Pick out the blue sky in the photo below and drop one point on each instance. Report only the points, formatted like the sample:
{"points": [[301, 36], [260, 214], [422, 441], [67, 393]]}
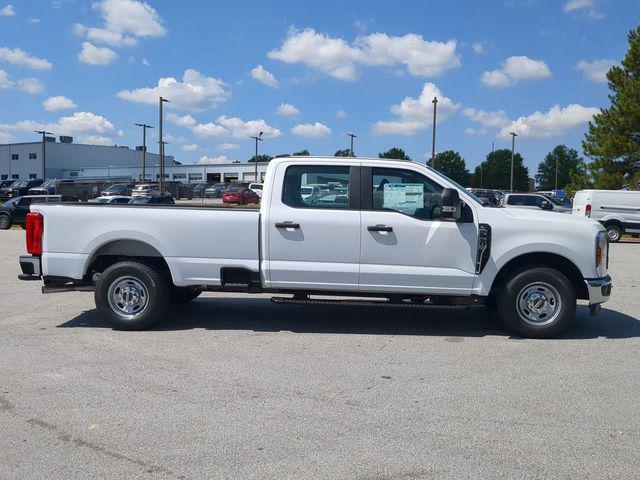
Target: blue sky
{"points": [[306, 74]]}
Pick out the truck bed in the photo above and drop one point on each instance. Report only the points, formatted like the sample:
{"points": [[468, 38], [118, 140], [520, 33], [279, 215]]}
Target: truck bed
{"points": [[194, 241]]}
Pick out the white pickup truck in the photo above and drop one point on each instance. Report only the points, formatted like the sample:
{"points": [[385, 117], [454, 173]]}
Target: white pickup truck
{"points": [[390, 231]]}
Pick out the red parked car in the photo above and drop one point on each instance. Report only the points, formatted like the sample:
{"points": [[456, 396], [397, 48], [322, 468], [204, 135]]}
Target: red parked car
{"points": [[240, 196]]}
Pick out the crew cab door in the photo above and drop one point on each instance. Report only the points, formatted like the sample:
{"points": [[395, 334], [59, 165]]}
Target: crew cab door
{"points": [[313, 235], [406, 247]]}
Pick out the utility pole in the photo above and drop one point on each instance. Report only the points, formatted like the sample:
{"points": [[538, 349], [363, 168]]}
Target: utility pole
{"points": [[480, 175], [433, 139], [161, 101], [557, 160], [257, 138], [513, 149], [144, 145], [44, 152], [351, 137]]}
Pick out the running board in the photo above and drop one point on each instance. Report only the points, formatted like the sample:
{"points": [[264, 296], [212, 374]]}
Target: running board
{"points": [[365, 303]]}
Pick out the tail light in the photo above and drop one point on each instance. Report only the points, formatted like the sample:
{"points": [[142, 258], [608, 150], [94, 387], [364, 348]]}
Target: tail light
{"points": [[587, 210], [35, 229]]}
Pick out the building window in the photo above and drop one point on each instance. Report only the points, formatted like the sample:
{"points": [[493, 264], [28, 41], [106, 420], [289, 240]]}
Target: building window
{"points": [[179, 176], [73, 174], [33, 156], [15, 176], [33, 176], [4, 177], [15, 156], [195, 177]]}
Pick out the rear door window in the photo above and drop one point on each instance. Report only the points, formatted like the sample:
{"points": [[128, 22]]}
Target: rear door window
{"points": [[300, 182], [515, 200]]}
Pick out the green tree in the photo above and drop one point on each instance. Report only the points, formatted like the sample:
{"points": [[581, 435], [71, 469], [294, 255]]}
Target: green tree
{"points": [[395, 153], [579, 179], [302, 153], [261, 158], [613, 139], [344, 153], [495, 172], [568, 162], [452, 165]]}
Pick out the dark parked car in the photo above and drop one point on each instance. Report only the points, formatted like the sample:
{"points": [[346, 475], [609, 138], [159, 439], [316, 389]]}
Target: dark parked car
{"points": [[6, 183], [240, 196], [198, 190], [120, 189], [50, 187], [153, 200], [215, 191], [14, 211], [18, 188]]}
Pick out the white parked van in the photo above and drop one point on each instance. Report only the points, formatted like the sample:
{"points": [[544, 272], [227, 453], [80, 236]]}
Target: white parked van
{"points": [[617, 210]]}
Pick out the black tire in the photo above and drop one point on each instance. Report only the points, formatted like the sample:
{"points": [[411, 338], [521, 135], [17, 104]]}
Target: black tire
{"points": [[131, 279], [23, 226], [545, 288], [5, 222], [184, 294], [614, 232]]}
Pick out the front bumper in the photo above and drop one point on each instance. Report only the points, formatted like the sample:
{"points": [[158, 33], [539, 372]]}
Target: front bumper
{"points": [[30, 267], [599, 289]]}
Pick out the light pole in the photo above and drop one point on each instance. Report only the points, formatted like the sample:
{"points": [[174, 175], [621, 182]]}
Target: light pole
{"points": [[351, 137], [144, 145], [161, 101], [557, 160], [513, 149], [257, 138], [433, 138], [44, 152], [480, 175]]}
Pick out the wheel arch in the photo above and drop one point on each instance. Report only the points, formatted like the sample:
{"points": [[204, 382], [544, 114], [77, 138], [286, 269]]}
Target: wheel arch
{"points": [[543, 259]]}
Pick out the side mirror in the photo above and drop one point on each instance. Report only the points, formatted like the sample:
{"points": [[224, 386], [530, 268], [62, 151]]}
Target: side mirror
{"points": [[451, 204], [546, 205]]}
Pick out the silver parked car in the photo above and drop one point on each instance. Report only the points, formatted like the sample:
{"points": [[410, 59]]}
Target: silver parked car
{"points": [[535, 201]]}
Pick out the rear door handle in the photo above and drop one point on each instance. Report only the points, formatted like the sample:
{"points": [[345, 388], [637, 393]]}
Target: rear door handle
{"points": [[292, 225], [379, 228]]}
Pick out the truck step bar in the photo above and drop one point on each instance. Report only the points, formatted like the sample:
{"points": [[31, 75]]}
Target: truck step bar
{"points": [[377, 303]]}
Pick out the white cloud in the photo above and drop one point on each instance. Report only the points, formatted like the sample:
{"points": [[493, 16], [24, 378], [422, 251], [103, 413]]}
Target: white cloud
{"points": [[6, 137], [123, 20], [145, 62], [93, 55], [416, 114], [241, 129], [264, 76], [19, 57], [5, 80], [337, 58], [7, 11], [96, 140], [34, 21], [183, 121], [492, 119], [475, 131], [574, 5], [596, 71], [554, 123], [478, 48], [311, 130], [227, 146], [88, 124], [205, 159], [287, 110], [514, 70], [209, 130], [30, 85], [190, 148], [196, 92], [341, 114]]}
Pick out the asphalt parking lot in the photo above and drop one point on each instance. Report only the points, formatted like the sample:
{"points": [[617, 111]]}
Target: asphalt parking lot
{"points": [[232, 386]]}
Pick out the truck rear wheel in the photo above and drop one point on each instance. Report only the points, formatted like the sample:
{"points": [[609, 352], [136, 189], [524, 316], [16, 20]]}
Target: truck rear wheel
{"points": [[132, 295], [536, 302]]}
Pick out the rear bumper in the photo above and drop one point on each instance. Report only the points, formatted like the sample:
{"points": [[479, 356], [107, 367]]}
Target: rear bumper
{"points": [[30, 266], [599, 289]]}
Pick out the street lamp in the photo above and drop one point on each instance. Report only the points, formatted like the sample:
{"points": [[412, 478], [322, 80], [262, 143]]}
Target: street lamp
{"points": [[161, 101], [44, 152], [352, 136], [144, 145], [257, 138], [433, 139], [513, 148]]}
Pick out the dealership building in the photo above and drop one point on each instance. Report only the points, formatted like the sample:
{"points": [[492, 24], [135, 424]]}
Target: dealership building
{"points": [[68, 160]]}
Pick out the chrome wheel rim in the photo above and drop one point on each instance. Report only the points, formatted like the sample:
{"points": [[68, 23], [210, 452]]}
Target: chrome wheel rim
{"points": [[539, 304], [4, 222], [613, 234], [128, 297]]}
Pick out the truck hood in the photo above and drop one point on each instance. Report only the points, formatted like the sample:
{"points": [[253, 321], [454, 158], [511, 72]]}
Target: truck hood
{"points": [[542, 217]]}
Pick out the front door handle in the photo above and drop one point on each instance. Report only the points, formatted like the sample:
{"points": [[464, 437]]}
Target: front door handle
{"points": [[292, 225], [380, 228]]}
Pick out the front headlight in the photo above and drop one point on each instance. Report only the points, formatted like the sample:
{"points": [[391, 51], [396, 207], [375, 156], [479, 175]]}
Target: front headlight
{"points": [[602, 252]]}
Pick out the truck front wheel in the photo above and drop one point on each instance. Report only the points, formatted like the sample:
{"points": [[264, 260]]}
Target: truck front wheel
{"points": [[132, 295], [536, 302]]}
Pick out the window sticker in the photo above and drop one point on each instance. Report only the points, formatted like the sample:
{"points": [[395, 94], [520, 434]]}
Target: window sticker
{"points": [[404, 197]]}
